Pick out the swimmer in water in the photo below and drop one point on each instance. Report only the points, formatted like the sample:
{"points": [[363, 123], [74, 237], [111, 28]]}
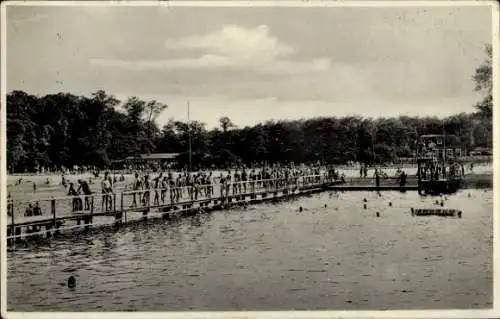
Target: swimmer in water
{"points": [[71, 282]]}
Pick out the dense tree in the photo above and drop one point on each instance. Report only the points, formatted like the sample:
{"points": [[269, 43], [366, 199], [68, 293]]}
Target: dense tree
{"points": [[62, 130], [483, 80]]}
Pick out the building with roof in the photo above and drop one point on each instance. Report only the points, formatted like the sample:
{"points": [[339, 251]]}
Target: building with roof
{"points": [[160, 159]]}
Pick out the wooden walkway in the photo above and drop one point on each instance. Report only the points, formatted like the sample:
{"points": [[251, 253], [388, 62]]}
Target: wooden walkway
{"points": [[58, 215]]}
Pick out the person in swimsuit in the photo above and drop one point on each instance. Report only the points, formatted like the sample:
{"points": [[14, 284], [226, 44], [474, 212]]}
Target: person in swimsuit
{"points": [[164, 186], [156, 185]]}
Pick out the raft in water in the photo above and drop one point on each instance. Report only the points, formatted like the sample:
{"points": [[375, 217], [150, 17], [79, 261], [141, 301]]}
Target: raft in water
{"points": [[444, 212]]}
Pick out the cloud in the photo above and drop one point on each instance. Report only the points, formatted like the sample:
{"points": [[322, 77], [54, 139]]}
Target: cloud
{"points": [[232, 47], [245, 45]]}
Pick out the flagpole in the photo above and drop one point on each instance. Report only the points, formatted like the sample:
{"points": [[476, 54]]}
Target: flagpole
{"points": [[189, 136], [444, 143]]}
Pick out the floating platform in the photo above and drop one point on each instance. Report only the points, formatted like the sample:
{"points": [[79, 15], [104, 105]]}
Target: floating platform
{"points": [[443, 212]]}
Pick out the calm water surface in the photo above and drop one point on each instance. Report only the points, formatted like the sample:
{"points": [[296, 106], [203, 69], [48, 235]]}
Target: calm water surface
{"points": [[271, 257]]}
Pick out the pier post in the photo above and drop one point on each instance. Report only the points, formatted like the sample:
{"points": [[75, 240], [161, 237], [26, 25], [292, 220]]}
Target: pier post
{"points": [[18, 233], [9, 233], [48, 227], [57, 225], [118, 218], [53, 210], [146, 211], [54, 218], [88, 220], [124, 213]]}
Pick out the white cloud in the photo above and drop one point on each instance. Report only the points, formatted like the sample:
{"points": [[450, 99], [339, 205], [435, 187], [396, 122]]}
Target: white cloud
{"points": [[245, 45], [232, 47]]}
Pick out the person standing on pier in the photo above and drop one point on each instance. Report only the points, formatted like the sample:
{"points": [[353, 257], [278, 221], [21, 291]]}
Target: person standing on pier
{"points": [[105, 190], [136, 187], [195, 183], [210, 184], [236, 183], [37, 211], [84, 187], [147, 186], [244, 178], [75, 201], [178, 188], [227, 181], [377, 179], [164, 186], [156, 184], [172, 190]]}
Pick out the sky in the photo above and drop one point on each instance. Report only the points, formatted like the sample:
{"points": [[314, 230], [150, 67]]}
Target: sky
{"points": [[254, 64]]}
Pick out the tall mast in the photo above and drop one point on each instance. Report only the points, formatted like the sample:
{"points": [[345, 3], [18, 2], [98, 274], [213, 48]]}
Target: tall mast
{"points": [[189, 136], [444, 144]]}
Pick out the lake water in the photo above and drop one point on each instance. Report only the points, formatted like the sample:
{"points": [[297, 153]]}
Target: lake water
{"points": [[272, 257]]}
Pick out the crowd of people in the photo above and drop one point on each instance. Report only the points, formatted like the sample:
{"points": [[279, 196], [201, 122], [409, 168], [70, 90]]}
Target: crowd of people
{"points": [[193, 185], [168, 186], [158, 187]]}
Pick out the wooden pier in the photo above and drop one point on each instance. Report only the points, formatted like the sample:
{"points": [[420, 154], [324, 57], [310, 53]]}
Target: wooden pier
{"points": [[59, 214]]}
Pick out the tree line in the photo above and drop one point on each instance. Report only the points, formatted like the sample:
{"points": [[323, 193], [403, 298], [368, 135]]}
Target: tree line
{"points": [[63, 130]]}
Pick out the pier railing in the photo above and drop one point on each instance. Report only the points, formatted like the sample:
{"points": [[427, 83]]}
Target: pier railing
{"points": [[50, 212]]}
